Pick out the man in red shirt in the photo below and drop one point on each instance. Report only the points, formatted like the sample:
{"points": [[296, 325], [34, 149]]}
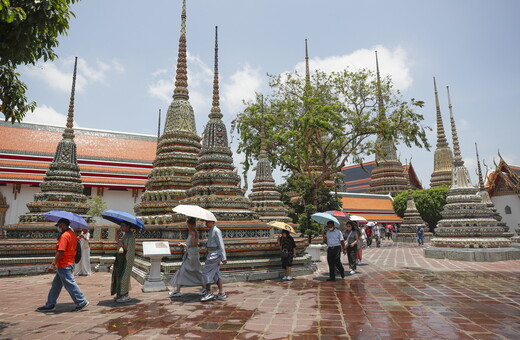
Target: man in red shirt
{"points": [[63, 265]]}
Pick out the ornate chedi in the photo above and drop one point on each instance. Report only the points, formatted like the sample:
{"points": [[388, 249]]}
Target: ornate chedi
{"points": [[442, 158], [61, 188], [216, 184], [467, 222], [412, 220], [177, 149], [264, 196], [387, 174], [487, 200]]}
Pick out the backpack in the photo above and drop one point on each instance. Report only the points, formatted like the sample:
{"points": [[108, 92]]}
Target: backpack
{"points": [[78, 253]]}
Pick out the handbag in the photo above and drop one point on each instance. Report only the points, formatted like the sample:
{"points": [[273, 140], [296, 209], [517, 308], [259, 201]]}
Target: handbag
{"points": [[284, 254]]}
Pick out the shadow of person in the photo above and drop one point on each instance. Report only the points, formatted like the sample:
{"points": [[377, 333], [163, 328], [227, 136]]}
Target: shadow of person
{"points": [[187, 298], [113, 303]]}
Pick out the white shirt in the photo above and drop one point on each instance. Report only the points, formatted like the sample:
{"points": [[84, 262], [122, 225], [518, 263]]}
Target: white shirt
{"points": [[334, 238]]}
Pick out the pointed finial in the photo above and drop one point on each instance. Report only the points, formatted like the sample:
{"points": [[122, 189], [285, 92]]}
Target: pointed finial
{"points": [[307, 72], [215, 109], [263, 152], [380, 102], [441, 135], [479, 172], [181, 77], [159, 127], [457, 159], [69, 132]]}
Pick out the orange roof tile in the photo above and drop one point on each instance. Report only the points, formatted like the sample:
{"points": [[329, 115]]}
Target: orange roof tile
{"points": [[362, 203], [380, 217]]}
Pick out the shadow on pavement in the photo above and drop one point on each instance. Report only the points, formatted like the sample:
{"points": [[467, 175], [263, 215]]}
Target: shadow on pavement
{"points": [[112, 303]]}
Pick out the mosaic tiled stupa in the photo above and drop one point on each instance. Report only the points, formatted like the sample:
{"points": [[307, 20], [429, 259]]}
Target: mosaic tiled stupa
{"points": [[61, 188], [412, 220], [387, 174], [216, 184], [467, 231], [442, 158], [177, 149], [487, 200], [264, 196]]}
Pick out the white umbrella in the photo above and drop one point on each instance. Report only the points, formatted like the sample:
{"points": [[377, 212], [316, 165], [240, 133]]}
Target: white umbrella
{"points": [[357, 218], [195, 211], [371, 224]]}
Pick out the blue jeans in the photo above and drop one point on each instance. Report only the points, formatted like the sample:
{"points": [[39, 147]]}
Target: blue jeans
{"points": [[65, 277]]}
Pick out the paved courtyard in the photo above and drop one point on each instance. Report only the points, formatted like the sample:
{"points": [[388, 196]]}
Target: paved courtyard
{"points": [[397, 294]]}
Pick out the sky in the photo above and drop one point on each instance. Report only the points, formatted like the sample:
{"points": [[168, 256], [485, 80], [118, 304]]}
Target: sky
{"points": [[127, 52]]}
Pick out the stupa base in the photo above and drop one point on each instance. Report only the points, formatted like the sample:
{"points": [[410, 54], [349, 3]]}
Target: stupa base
{"points": [[473, 254], [410, 238]]}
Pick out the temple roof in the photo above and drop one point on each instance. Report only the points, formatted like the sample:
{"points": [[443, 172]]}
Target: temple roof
{"points": [[357, 177], [375, 208], [106, 158], [505, 178]]}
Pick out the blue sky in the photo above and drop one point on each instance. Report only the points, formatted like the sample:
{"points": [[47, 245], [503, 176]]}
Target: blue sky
{"points": [[128, 53]]}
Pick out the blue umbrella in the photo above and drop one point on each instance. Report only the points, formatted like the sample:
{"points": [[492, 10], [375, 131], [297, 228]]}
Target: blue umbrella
{"points": [[323, 218], [119, 216], [76, 221]]}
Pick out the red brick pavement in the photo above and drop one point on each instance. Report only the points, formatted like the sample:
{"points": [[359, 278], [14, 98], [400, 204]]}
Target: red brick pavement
{"points": [[397, 294]]}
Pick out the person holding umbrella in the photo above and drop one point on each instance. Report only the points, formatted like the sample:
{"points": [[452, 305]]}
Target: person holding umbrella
{"points": [[288, 252], [125, 256], [335, 244], [215, 255], [190, 271], [63, 265]]}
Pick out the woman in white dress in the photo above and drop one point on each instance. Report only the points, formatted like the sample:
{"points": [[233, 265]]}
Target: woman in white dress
{"points": [[82, 268], [190, 271]]}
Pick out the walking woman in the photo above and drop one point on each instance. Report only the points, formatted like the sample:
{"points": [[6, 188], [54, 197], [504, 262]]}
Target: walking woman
{"points": [[124, 262], [288, 252], [82, 268], [362, 237], [351, 240], [190, 271]]}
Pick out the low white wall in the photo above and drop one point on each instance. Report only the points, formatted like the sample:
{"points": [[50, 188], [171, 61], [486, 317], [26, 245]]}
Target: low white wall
{"points": [[513, 219]]}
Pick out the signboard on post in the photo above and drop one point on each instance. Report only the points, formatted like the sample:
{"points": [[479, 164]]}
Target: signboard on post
{"points": [[155, 250]]}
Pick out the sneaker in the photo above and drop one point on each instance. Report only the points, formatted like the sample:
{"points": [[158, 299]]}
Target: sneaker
{"points": [[203, 292], [289, 278], [207, 297], [79, 308], [123, 299], [352, 272], [46, 308], [220, 296], [284, 278], [175, 293]]}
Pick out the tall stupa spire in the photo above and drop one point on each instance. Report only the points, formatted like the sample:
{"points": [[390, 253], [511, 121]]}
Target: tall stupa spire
{"points": [[387, 174], [177, 150], [181, 77], [443, 157], [61, 187], [307, 70], [457, 157], [216, 184], [479, 172]]}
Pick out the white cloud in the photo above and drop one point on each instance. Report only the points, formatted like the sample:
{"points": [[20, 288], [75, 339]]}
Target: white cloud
{"points": [[242, 85], [58, 74], [393, 62], [44, 114]]}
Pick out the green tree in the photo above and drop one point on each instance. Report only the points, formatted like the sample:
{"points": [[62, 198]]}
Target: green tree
{"points": [[97, 206], [29, 31], [313, 126], [429, 203]]}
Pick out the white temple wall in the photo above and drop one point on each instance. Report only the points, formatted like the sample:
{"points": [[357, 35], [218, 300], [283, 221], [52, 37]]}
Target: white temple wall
{"points": [[17, 206], [115, 200], [513, 202]]}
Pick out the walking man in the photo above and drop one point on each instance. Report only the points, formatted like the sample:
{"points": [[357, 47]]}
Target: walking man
{"points": [[420, 235], [335, 244], [63, 265], [377, 235], [216, 253]]}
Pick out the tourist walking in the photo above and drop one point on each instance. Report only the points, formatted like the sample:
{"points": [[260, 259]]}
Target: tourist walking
{"points": [[362, 238], [369, 232], [420, 235], [288, 252], [63, 265], [377, 234], [335, 244], [351, 239], [388, 231], [216, 253], [122, 268], [82, 268], [190, 271]]}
